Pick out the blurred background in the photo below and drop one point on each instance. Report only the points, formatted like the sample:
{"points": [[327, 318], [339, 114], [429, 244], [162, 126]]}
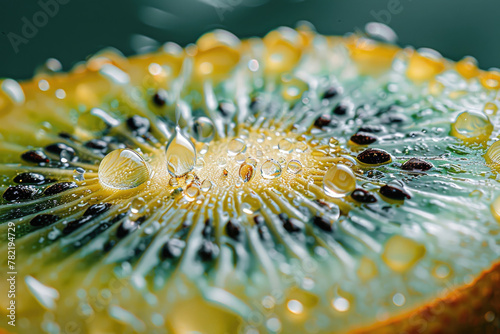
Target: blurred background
{"points": [[70, 30]]}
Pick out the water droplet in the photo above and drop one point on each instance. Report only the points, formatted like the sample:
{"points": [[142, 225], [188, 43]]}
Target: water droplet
{"points": [[240, 158], [270, 169], [294, 166], [339, 181], [190, 178], [472, 127], [206, 185], [78, 174], [204, 149], [490, 108], [137, 208], [246, 172], [294, 306], [441, 271], [250, 204], [173, 182], [341, 304], [96, 121], [180, 154], [200, 163], [399, 299], [203, 129], [123, 169], [191, 193], [301, 147], [260, 138], [401, 253], [221, 162], [236, 146], [285, 145]]}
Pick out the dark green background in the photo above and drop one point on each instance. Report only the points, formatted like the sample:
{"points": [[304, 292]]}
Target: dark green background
{"points": [[454, 27]]}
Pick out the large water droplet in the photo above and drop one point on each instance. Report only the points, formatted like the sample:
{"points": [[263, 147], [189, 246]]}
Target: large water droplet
{"points": [[236, 146], [339, 181], [203, 129], [123, 169], [270, 169], [401, 253], [285, 145], [180, 154], [294, 166], [472, 127]]}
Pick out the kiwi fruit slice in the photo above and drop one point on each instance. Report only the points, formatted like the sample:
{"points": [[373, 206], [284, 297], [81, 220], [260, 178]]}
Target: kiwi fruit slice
{"points": [[297, 183]]}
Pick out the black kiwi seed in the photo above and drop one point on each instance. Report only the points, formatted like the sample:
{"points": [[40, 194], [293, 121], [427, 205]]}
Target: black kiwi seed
{"points": [[97, 209], [363, 138], [35, 157], [97, 144], [43, 220], [371, 128], [66, 135], [59, 187], [208, 251], [340, 109], [233, 229], [207, 229], [363, 196], [30, 178], [20, 193], [323, 223], [417, 165], [62, 150], [395, 190], [323, 120], [160, 98], [76, 224], [259, 220], [374, 156], [330, 93], [139, 125], [226, 108], [293, 225], [172, 249]]}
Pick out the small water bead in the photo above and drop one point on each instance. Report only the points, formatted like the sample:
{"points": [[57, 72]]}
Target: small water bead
{"points": [[295, 307], [204, 149], [261, 138], [180, 154], [137, 208], [250, 204], [399, 299], [203, 129], [441, 271], [294, 166], [236, 146], [173, 182], [285, 145], [96, 121], [78, 174], [270, 169], [401, 253], [240, 158], [339, 181], [222, 162], [490, 108], [191, 193], [472, 127], [301, 147], [190, 178], [200, 163], [492, 156], [341, 304], [206, 185], [123, 169]]}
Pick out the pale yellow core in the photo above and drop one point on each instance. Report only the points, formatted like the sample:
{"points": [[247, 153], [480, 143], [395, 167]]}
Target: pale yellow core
{"points": [[401, 253]]}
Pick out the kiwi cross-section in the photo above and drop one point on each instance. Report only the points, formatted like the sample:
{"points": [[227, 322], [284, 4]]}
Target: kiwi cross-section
{"points": [[297, 183]]}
